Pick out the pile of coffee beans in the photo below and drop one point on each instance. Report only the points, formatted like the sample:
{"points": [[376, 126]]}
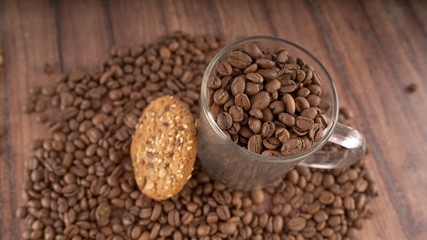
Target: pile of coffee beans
{"points": [[268, 102], [80, 180]]}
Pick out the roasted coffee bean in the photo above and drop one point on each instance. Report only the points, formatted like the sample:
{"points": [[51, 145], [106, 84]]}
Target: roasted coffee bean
{"points": [[238, 85], [271, 143], [102, 214], [282, 135], [267, 115], [252, 50], [271, 153], [242, 101], [252, 68], [268, 129], [296, 224], [292, 147], [224, 68], [411, 88], [277, 107], [21, 212], [267, 74], [255, 125], [289, 103], [255, 77], [272, 86], [236, 113], [228, 228], [220, 96], [239, 59], [255, 144], [326, 197], [261, 100], [316, 132], [256, 113], [252, 88], [287, 119], [264, 63], [214, 83], [224, 120], [301, 104], [304, 123]]}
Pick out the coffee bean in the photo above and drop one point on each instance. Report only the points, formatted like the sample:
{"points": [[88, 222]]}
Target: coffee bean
{"points": [[268, 129], [21, 212], [255, 125], [264, 63], [272, 86], [296, 224], [224, 120], [267, 115], [228, 228], [313, 100], [271, 153], [271, 143], [252, 68], [156, 212], [278, 224], [277, 107], [255, 144], [304, 123], [282, 135], [257, 196], [292, 147], [238, 85], [236, 113], [326, 197], [256, 113], [220, 96], [287, 119], [239, 59], [411, 88], [267, 74], [203, 230], [102, 214], [242, 101], [213, 83], [252, 50], [223, 212], [261, 100], [255, 77], [252, 88], [289, 103]]}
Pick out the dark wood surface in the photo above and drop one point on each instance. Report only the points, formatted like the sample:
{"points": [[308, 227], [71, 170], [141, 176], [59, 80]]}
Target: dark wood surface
{"points": [[372, 49]]}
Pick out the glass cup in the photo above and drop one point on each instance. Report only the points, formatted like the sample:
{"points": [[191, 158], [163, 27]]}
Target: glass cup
{"points": [[240, 169]]}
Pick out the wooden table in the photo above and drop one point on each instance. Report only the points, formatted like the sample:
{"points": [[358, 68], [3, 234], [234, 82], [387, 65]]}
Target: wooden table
{"points": [[372, 49]]}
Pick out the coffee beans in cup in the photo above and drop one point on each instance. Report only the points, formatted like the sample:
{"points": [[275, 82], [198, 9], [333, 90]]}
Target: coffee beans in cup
{"points": [[80, 181], [268, 102]]}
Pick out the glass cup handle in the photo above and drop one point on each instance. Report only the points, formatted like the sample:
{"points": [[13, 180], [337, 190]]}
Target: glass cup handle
{"points": [[354, 144]]}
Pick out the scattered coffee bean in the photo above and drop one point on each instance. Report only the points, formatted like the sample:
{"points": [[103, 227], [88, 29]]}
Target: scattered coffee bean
{"points": [[411, 88], [81, 183]]}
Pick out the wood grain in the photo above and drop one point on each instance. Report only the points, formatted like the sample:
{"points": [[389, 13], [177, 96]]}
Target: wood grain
{"points": [[29, 42], [85, 35], [135, 22], [251, 20], [372, 49], [180, 16], [385, 127]]}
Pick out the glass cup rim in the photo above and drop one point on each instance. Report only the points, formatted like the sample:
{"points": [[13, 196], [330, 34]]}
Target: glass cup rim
{"points": [[214, 125]]}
